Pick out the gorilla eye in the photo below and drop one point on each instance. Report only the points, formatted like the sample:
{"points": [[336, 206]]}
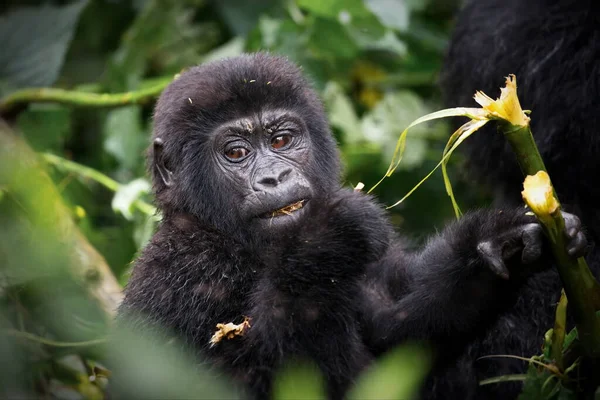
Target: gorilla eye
{"points": [[236, 153], [280, 141]]}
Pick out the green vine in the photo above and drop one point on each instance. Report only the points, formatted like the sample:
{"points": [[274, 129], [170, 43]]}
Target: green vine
{"points": [[96, 176], [78, 98]]}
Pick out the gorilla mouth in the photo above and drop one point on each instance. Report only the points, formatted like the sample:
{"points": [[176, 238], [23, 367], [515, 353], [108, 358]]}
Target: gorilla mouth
{"points": [[287, 210]]}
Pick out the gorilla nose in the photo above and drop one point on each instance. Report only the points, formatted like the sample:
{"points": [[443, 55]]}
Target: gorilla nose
{"points": [[271, 179]]}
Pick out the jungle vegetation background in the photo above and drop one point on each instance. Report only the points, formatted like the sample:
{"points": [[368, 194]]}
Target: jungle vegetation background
{"points": [[75, 205]]}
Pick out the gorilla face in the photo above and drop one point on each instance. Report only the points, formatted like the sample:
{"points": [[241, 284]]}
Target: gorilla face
{"points": [[262, 157], [249, 157]]}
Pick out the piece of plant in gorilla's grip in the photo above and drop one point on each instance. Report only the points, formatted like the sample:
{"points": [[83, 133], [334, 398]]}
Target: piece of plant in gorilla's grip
{"points": [[580, 285], [581, 288]]}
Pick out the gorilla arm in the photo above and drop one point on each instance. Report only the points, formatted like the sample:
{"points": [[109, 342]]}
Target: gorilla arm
{"points": [[459, 283]]}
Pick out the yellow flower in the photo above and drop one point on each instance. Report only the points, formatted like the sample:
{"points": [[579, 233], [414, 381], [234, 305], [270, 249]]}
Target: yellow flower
{"points": [[507, 107], [539, 195]]}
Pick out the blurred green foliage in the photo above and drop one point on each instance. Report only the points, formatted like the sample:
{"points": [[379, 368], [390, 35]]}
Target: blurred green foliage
{"points": [[375, 64]]}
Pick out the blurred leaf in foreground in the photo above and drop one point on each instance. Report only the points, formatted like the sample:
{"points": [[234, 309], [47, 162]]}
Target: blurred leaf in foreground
{"points": [[149, 365], [299, 381], [397, 375], [55, 289]]}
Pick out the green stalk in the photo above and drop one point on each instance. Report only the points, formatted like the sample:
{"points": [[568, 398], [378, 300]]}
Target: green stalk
{"points": [[90, 173], [80, 98], [582, 289]]}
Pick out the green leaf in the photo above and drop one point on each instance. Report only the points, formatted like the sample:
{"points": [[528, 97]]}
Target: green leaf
{"points": [[388, 42], [34, 43], [384, 123], [334, 8], [570, 338], [341, 112], [330, 39], [124, 197], [269, 29], [361, 23], [283, 37], [299, 381], [401, 143], [45, 126], [543, 385], [242, 15], [393, 14], [398, 375], [144, 228], [148, 364], [455, 140], [125, 138], [232, 48]]}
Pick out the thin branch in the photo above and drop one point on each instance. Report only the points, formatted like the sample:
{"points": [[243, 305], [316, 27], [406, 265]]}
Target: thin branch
{"points": [[80, 98], [50, 342], [96, 176]]}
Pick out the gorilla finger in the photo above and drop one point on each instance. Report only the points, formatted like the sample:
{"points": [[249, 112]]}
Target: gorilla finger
{"points": [[532, 237], [572, 224], [493, 258], [578, 246]]}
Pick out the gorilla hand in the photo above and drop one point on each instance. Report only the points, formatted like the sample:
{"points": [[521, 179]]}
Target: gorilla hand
{"points": [[475, 265], [337, 237], [526, 243]]}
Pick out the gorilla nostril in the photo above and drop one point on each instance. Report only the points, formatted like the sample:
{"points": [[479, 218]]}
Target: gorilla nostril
{"points": [[268, 181], [273, 178], [284, 175]]}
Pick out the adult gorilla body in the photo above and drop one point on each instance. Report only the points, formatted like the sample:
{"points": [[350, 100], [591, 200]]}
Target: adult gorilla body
{"points": [[552, 48], [256, 223]]}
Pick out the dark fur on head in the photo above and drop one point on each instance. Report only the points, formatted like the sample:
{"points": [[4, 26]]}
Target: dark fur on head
{"points": [[204, 97]]}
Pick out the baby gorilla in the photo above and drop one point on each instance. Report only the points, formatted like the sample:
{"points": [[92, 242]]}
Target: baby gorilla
{"points": [[256, 225]]}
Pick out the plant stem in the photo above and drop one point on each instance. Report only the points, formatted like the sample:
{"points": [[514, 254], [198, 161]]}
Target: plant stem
{"points": [[582, 289], [50, 342], [96, 176], [79, 98]]}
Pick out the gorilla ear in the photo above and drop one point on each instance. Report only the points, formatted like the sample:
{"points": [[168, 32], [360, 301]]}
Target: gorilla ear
{"points": [[159, 163]]}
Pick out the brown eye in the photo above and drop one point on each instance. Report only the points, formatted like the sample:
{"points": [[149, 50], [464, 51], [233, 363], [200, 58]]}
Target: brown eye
{"points": [[280, 141], [236, 153]]}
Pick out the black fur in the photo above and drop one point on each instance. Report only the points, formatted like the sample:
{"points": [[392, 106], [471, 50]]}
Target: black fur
{"points": [[330, 282], [552, 47]]}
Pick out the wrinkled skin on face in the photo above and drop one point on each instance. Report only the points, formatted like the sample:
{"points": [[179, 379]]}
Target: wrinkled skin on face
{"points": [[264, 157]]}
